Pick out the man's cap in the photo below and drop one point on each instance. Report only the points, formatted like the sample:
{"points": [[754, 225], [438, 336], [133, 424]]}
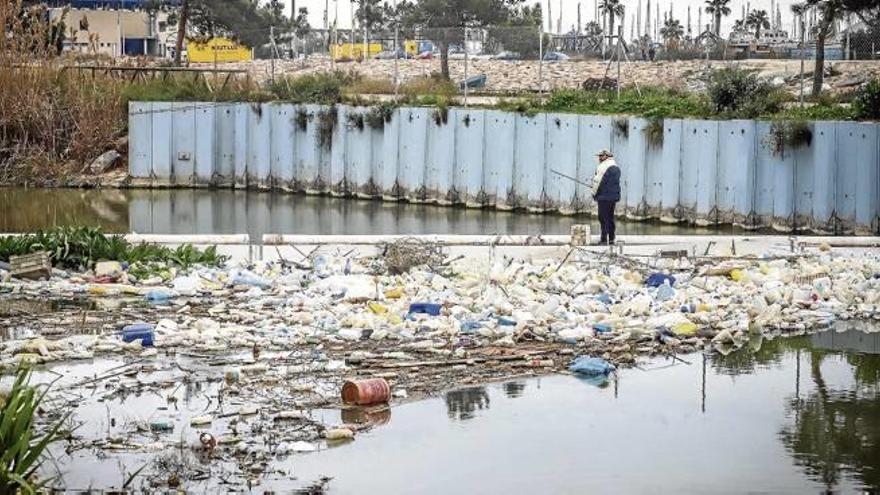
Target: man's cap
{"points": [[605, 153]]}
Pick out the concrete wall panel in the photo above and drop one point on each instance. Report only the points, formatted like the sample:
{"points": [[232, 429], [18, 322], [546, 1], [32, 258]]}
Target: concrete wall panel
{"points": [[825, 157], [224, 144], [205, 147], [848, 138], [308, 149], [666, 179], [737, 149], [440, 160], [162, 149], [865, 155], [242, 129], [335, 177], [774, 172], [283, 145], [259, 144], [413, 139], [498, 158], [562, 157], [470, 126], [528, 183], [629, 147], [387, 161], [183, 140], [140, 140], [358, 153]]}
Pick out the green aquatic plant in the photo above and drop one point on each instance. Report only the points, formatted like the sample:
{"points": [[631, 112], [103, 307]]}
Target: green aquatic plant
{"points": [[82, 247], [22, 448]]}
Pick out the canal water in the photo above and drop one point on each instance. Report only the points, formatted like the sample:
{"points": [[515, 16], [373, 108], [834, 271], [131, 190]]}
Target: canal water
{"points": [[188, 211], [789, 415], [796, 415]]}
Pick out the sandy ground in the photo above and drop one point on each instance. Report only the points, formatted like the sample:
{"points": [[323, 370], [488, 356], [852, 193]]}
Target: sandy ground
{"points": [[521, 76]]}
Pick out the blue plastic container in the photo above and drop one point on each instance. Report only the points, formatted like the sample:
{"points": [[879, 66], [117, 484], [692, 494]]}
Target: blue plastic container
{"points": [[602, 328], [426, 308], [139, 331]]}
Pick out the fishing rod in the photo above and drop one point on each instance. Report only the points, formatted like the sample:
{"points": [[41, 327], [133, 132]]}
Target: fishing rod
{"points": [[571, 178]]}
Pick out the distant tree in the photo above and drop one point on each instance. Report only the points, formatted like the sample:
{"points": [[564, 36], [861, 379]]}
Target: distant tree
{"points": [[611, 8], [830, 11], [718, 9], [444, 21], [758, 20], [672, 32], [518, 32], [301, 25]]}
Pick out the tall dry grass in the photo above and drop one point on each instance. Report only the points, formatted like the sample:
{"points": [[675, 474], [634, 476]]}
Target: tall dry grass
{"points": [[52, 121]]}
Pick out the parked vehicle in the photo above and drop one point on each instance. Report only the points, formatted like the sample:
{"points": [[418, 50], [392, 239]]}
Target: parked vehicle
{"points": [[556, 57], [391, 55], [508, 56]]}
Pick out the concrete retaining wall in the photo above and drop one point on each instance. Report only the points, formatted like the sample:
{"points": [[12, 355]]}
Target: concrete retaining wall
{"points": [[704, 172]]}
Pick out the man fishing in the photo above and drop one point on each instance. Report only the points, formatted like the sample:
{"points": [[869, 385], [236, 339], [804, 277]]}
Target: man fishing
{"points": [[606, 192]]}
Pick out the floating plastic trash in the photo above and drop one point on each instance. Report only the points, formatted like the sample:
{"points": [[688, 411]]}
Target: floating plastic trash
{"points": [[158, 296], [589, 365], [657, 279], [138, 331], [602, 328], [425, 308]]}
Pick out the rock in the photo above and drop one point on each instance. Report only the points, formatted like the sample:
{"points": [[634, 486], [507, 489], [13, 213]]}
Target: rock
{"points": [[105, 162], [339, 434]]}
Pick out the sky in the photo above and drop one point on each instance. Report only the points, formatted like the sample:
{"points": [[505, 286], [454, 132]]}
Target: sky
{"points": [[341, 9]]}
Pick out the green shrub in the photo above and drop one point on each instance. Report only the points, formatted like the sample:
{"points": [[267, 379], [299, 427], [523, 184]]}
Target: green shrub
{"points": [[866, 104], [788, 135], [326, 123], [736, 93], [379, 114], [322, 88], [654, 133]]}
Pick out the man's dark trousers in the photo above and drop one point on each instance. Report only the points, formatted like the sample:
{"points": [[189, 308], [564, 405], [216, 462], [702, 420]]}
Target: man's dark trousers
{"points": [[606, 221]]}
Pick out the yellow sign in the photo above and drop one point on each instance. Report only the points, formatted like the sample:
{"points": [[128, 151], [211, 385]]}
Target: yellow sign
{"points": [[354, 51], [218, 50]]}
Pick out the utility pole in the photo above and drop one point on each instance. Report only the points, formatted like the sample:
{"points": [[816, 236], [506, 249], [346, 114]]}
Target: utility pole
{"points": [[579, 18], [181, 30], [559, 21], [648, 26], [550, 15], [639, 20]]}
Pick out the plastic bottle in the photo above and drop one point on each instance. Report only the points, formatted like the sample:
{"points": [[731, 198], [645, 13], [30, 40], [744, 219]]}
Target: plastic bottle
{"points": [[665, 292]]}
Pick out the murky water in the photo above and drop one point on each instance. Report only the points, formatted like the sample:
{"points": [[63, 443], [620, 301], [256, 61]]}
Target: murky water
{"points": [[257, 213], [799, 415], [790, 415]]}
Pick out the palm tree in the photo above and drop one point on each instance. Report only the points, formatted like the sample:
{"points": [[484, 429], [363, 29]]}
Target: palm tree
{"points": [[719, 9], [758, 19], [739, 26], [830, 11], [672, 32], [611, 8]]}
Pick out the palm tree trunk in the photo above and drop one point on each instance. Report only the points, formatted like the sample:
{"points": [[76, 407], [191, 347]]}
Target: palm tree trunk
{"points": [[718, 24], [181, 31], [819, 69]]}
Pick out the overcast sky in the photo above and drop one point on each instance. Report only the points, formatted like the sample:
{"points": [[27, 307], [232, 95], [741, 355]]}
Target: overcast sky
{"points": [[342, 9]]}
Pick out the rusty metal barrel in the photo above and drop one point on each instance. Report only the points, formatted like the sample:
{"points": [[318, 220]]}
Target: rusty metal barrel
{"points": [[366, 392]]}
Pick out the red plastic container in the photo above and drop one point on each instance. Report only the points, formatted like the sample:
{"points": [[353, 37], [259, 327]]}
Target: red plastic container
{"points": [[366, 392]]}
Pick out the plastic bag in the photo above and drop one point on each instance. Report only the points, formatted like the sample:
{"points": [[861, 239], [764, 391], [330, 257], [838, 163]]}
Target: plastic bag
{"points": [[589, 365], [657, 279]]}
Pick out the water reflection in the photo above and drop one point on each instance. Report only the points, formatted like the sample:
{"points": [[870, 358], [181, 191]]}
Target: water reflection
{"points": [[834, 428], [463, 404], [514, 389], [184, 211]]}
